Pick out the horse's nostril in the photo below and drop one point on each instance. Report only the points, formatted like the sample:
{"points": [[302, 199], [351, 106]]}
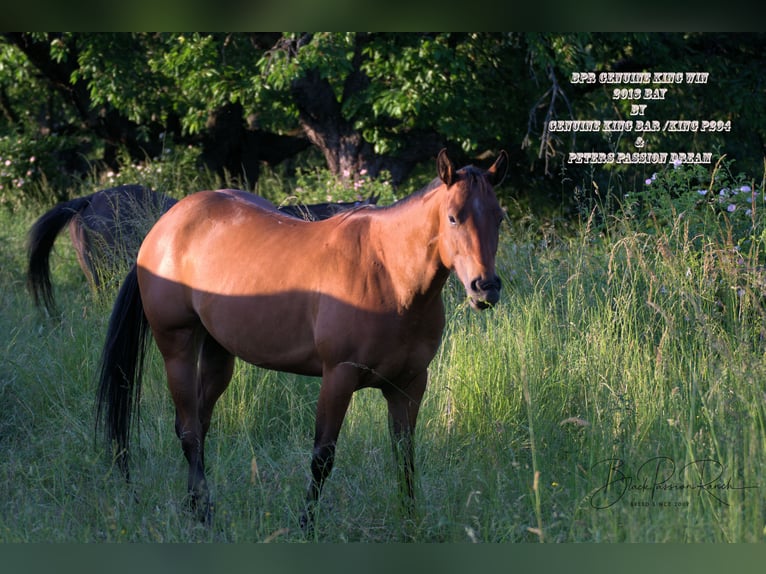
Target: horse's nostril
{"points": [[479, 285]]}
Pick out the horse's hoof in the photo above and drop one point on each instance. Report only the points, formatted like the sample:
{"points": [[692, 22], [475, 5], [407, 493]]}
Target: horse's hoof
{"points": [[204, 510], [207, 514], [307, 523]]}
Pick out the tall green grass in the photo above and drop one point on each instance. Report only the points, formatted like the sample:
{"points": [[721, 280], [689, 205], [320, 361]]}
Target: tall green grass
{"points": [[613, 349]]}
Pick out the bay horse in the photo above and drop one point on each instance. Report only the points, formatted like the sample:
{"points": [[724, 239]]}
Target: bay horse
{"points": [[107, 227], [355, 299]]}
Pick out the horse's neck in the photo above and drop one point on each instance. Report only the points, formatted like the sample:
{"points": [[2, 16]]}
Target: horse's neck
{"points": [[407, 241]]}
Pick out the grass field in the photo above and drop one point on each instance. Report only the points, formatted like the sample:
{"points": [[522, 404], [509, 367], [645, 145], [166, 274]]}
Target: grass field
{"points": [[616, 394]]}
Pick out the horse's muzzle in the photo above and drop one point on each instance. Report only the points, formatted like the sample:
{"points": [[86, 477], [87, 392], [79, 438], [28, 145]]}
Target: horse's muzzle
{"points": [[485, 293]]}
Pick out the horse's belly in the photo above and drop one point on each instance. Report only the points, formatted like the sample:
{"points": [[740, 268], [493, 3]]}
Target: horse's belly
{"points": [[264, 331], [281, 355]]}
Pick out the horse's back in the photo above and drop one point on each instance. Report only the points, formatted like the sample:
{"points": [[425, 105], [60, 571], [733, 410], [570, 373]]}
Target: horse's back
{"points": [[210, 235], [217, 259]]}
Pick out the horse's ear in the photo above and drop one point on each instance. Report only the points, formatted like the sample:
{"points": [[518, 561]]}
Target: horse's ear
{"points": [[445, 168], [498, 169]]}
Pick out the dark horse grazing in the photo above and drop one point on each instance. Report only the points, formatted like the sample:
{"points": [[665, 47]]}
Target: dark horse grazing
{"points": [[355, 299], [107, 228]]}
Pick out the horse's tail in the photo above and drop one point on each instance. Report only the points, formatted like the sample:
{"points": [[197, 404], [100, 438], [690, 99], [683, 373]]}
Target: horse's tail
{"points": [[42, 236], [122, 360]]}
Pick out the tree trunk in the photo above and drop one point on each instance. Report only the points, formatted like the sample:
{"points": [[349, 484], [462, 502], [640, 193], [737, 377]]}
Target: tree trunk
{"points": [[345, 150], [319, 115], [231, 149]]}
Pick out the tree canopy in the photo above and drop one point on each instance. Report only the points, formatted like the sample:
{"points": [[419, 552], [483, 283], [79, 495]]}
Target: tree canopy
{"points": [[367, 101]]}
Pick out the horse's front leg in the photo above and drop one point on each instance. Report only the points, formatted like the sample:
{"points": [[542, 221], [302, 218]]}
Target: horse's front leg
{"points": [[338, 384], [403, 407]]}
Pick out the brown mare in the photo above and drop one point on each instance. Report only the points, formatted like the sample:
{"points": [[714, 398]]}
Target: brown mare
{"points": [[107, 228], [355, 299]]}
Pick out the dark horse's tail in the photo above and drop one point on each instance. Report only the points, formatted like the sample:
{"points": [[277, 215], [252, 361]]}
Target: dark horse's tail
{"points": [[42, 236], [122, 361]]}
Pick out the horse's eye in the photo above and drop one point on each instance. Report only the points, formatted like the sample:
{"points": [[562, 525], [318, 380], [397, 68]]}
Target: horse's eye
{"points": [[452, 220]]}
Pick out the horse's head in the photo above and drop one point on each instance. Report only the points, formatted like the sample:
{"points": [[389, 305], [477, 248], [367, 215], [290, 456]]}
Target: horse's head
{"points": [[469, 225]]}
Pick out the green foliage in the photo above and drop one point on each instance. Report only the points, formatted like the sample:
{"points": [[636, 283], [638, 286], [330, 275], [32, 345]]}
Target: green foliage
{"points": [[319, 186], [330, 53], [114, 67], [445, 81], [25, 95], [29, 167], [176, 173], [476, 91], [33, 159], [203, 72]]}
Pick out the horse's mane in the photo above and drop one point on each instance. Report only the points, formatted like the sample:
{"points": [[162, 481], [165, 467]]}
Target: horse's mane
{"points": [[433, 184], [469, 170]]}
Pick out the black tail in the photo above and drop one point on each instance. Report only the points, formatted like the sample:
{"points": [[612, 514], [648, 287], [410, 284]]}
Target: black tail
{"points": [[42, 236], [122, 360]]}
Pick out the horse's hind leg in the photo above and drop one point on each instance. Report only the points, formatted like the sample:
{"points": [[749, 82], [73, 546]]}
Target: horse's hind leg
{"points": [[198, 371], [216, 366]]}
